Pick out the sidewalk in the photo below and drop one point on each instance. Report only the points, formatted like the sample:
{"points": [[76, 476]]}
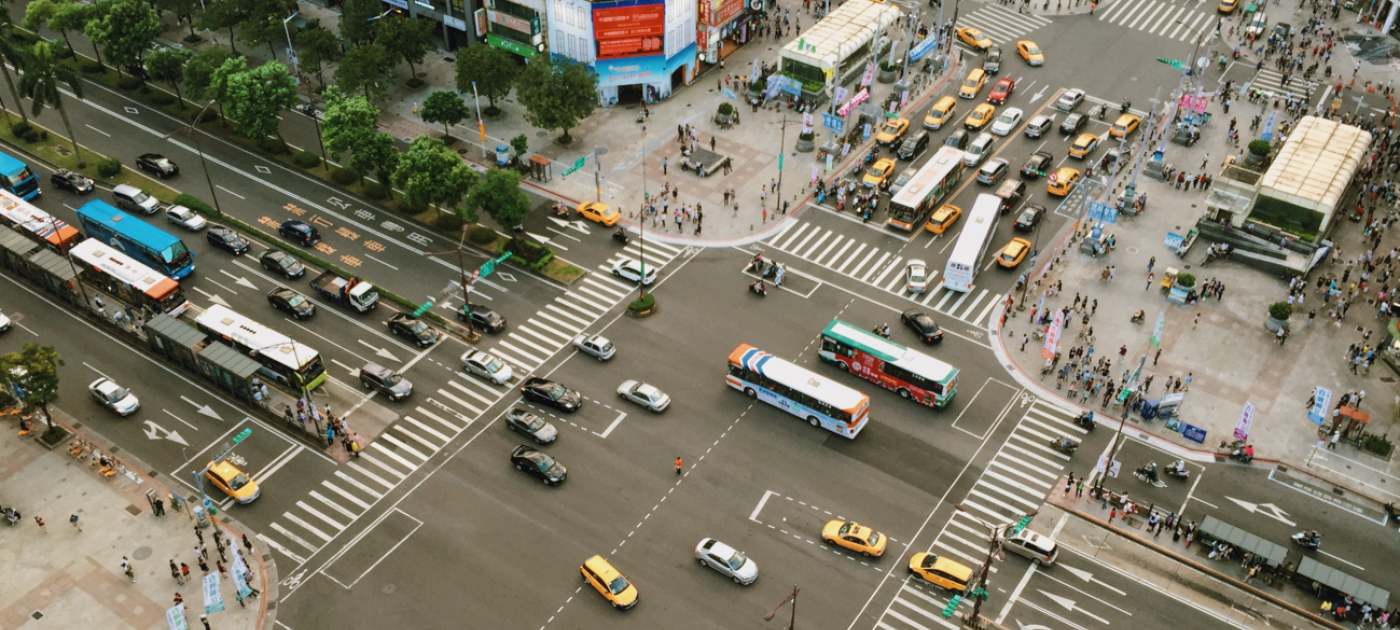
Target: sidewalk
{"points": [[1229, 356], [62, 576]]}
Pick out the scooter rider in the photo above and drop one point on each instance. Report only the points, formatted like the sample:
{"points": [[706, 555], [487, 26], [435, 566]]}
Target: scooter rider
{"points": [[756, 263], [1176, 468], [1151, 472], [1066, 444], [883, 330], [757, 287]]}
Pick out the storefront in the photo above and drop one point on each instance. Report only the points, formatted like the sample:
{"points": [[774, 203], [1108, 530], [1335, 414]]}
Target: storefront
{"points": [[516, 27], [452, 14], [721, 20], [642, 49]]}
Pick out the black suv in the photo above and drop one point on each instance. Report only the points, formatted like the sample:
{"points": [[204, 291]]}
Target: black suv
{"points": [[300, 232], [482, 317], [228, 240], [413, 328], [1011, 193], [913, 145]]}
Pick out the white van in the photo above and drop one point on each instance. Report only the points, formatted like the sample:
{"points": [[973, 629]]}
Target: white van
{"points": [[979, 149], [1036, 547]]}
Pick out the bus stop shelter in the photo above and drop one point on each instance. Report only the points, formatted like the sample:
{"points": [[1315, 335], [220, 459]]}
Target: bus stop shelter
{"points": [[15, 249], [1343, 583], [175, 340], [229, 370], [1217, 529]]}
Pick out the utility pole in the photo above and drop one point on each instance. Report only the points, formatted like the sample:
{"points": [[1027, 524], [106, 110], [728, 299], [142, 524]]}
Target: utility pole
{"points": [[994, 551], [792, 597], [462, 274], [200, 150], [642, 229], [782, 146], [480, 125], [199, 475]]}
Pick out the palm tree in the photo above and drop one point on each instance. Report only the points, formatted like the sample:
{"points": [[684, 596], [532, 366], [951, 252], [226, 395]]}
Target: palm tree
{"points": [[11, 51], [42, 78]]}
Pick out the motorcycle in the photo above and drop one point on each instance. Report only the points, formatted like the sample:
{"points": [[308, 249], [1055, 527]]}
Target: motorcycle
{"points": [[620, 237], [1124, 108], [1243, 455], [1102, 109], [1230, 446], [1065, 445], [1085, 420], [1178, 469], [1393, 510], [755, 264], [771, 271], [12, 515], [1138, 317], [883, 331], [758, 288], [1309, 540], [560, 210], [1148, 474]]}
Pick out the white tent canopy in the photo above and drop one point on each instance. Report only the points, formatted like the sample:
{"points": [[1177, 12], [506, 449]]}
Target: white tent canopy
{"points": [[841, 33]]}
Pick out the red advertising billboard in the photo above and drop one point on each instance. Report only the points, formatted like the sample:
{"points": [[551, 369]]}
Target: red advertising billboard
{"points": [[629, 31]]}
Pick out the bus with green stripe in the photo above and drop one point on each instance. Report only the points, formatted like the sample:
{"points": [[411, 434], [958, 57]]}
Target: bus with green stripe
{"points": [[913, 374]]}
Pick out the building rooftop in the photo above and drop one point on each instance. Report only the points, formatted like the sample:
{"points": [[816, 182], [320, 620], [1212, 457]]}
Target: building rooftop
{"points": [[1316, 164], [842, 32]]}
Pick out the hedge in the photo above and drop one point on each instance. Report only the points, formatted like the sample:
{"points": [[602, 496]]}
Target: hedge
{"points": [[195, 203], [449, 222], [109, 167], [344, 176], [307, 159], [481, 235]]}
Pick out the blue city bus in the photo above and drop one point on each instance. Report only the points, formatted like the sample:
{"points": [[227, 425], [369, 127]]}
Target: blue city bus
{"points": [[151, 245], [16, 177]]}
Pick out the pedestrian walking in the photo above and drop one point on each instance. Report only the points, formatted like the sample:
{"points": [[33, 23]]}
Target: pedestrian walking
{"points": [[184, 572], [175, 572], [247, 544], [199, 534], [204, 566], [126, 569], [40, 522], [1024, 340], [1150, 278], [1156, 356], [1079, 488], [1194, 323], [222, 570], [1112, 514], [678, 465], [1069, 483], [159, 507], [664, 163], [1151, 263], [1332, 443], [73, 520], [179, 600], [204, 619]]}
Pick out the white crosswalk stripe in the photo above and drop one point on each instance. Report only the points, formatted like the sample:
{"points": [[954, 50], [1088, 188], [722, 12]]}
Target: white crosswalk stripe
{"points": [[881, 269], [1003, 25], [1015, 482], [1271, 83], [1181, 22], [406, 445]]}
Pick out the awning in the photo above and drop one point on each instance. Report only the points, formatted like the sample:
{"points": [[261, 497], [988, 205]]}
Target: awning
{"points": [[1355, 414], [1343, 583], [1243, 540]]}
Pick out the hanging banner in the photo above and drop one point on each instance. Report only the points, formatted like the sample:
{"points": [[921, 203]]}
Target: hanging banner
{"points": [[815, 174], [1245, 421], [922, 48], [213, 599], [869, 75], [1322, 398], [1157, 330], [1052, 336], [840, 95], [860, 97], [240, 573], [175, 618]]}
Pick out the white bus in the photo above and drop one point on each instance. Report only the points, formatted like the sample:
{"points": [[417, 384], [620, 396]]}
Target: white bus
{"points": [[284, 361], [135, 283], [911, 206], [820, 401], [972, 243]]}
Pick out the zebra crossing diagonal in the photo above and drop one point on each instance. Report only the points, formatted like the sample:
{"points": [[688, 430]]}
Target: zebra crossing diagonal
{"points": [[1013, 483], [1001, 24], [1270, 82], [1181, 22]]}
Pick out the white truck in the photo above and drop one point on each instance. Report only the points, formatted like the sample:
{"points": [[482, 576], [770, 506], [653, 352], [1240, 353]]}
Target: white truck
{"points": [[352, 292]]}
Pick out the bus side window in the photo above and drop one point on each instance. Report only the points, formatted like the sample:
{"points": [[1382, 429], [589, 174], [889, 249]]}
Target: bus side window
{"points": [[831, 345], [736, 371]]}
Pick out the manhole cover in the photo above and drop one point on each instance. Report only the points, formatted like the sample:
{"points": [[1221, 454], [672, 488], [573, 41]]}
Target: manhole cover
{"points": [[141, 553], [541, 133], [37, 615], [602, 150], [389, 588], [135, 511]]}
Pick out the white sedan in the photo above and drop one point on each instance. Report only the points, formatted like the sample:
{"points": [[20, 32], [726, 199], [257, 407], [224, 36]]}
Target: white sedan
{"points": [[916, 276], [486, 366], [185, 218], [645, 395], [1007, 121], [725, 559], [632, 270], [113, 396]]}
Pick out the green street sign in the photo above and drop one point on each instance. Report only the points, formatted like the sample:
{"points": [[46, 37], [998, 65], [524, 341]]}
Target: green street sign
{"points": [[578, 164], [490, 265], [242, 435], [423, 309], [780, 162]]}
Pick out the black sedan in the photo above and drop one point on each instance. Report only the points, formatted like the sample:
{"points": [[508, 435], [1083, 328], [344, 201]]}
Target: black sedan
{"points": [[76, 183], [922, 324], [284, 299], [1029, 218], [158, 165], [551, 393], [413, 328], [538, 465], [300, 232], [1038, 163], [282, 264], [228, 240], [482, 317], [1073, 123]]}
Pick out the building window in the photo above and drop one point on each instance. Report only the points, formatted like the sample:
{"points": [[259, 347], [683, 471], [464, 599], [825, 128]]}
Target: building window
{"points": [[573, 50], [582, 20], [559, 36]]}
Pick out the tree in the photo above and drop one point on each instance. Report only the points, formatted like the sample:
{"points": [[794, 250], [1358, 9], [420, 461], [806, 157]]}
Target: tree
{"points": [[227, 14], [263, 23], [492, 69], [358, 20], [183, 10], [445, 108], [349, 125], [557, 94], [319, 46], [431, 173], [366, 68], [253, 98], [407, 38], [33, 373], [12, 52], [167, 65], [200, 69], [72, 16], [377, 153], [500, 195], [125, 29], [44, 76]]}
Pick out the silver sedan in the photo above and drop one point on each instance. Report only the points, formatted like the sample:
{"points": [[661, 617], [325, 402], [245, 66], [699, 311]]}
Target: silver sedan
{"points": [[645, 395], [725, 559]]}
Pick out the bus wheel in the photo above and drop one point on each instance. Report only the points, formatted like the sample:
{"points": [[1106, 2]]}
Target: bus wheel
{"points": [[842, 365], [750, 392], [903, 393], [812, 420]]}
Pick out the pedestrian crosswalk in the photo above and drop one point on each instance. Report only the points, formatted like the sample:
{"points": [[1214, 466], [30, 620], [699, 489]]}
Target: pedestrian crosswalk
{"points": [[1003, 25], [1180, 21], [881, 269], [442, 415], [1015, 482], [1271, 83]]}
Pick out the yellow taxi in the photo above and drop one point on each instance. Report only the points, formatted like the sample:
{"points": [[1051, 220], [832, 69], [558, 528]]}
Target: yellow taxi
{"points": [[1228, 6], [973, 83], [854, 536], [599, 212], [879, 172], [609, 583], [980, 116], [1060, 182], [1014, 252], [1083, 145], [943, 218], [1126, 124], [950, 575], [941, 113], [892, 132], [232, 481], [1030, 52], [974, 38]]}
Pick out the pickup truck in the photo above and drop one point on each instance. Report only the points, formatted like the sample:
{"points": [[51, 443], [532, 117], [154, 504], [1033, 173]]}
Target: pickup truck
{"points": [[352, 292]]}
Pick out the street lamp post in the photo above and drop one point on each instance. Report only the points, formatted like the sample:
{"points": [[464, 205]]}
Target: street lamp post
{"points": [[791, 598], [292, 52], [994, 550], [200, 150], [462, 271]]}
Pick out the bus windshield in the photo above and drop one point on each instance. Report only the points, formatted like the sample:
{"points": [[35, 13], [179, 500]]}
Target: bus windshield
{"points": [[176, 254]]}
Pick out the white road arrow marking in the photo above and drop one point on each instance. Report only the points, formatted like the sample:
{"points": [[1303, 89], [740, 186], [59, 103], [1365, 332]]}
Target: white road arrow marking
{"points": [[242, 282], [204, 410], [154, 432], [212, 298], [538, 237], [1266, 509], [1031, 626], [1039, 94], [380, 352], [1065, 602], [1089, 577]]}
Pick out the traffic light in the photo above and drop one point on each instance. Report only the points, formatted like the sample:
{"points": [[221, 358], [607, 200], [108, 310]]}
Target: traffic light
{"points": [[423, 309], [952, 606]]}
